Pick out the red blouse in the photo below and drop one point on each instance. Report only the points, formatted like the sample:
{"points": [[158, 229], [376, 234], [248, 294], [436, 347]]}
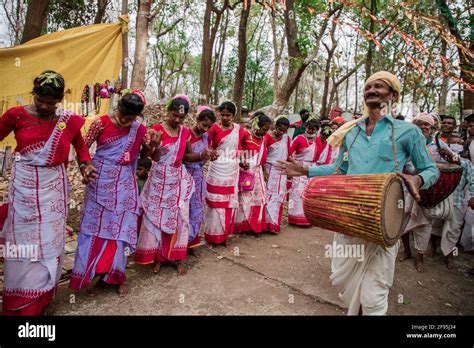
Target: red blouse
{"points": [[194, 138], [165, 137], [252, 143], [299, 144], [32, 131], [216, 134]]}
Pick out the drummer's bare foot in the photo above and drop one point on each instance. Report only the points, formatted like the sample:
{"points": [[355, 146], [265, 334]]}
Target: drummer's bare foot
{"points": [[181, 267], [449, 260], [157, 268], [123, 290], [419, 264], [194, 252]]}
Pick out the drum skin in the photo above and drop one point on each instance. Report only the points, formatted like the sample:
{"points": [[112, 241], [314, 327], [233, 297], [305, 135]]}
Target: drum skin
{"points": [[369, 206]]}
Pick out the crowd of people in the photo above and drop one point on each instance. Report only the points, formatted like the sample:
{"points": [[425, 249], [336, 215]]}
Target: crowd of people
{"points": [[152, 192]]}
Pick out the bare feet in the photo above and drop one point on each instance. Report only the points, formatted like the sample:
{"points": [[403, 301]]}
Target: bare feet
{"points": [[406, 247], [210, 246], [419, 264], [123, 290], [94, 289], [157, 268], [405, 255], [449, 261], [181, 267], [431, 250], [194, 251]]}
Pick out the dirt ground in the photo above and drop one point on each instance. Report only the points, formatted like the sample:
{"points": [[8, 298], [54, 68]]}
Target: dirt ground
{"points": [[285, 274]]}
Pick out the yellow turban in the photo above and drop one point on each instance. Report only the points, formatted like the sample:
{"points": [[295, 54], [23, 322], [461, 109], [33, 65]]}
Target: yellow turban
{"points": [[338, 136]]}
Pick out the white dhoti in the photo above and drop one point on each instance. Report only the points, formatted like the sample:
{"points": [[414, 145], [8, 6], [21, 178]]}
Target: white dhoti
{"points": [[418, 224], [421, 238], [449, 229], [423, 221], [467, 237], [364, 282]]}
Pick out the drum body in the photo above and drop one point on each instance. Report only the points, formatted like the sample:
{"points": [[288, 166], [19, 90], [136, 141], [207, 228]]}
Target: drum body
{"points": [[369, 206], [449, 177]]}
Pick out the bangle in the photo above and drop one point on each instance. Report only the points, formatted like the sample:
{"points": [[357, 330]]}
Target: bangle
{"points": [[82, 165], [200, 155]]}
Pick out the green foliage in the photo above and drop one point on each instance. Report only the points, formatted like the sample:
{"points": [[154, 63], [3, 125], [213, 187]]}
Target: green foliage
{"points": [[64, 14], [452, 109]]}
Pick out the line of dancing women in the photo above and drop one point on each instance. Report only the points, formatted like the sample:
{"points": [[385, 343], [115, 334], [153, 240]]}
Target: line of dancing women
{"points": [[243, 191]]}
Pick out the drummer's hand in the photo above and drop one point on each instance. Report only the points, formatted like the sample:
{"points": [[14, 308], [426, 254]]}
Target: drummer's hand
{"points": [[413, 183], [292, 168], [471, 203]]}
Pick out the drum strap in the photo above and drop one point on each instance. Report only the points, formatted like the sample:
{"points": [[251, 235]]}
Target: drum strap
{"points": [[394, 148], [345, 156]]}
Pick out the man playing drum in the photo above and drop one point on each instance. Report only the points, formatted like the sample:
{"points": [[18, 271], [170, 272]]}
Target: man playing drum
{"points": [[374, 140], [422, 219]]}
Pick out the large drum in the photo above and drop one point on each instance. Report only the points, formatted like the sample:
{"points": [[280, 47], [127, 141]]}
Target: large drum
{"points": [[449, 177], [368, 206]]}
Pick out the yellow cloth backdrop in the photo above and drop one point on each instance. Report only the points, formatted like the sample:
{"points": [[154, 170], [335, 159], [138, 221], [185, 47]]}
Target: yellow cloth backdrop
{"points": [[83, 55]]}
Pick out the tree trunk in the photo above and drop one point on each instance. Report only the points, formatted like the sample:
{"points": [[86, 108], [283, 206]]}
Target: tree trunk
{"points": [[125, 48], [327, 71], [297, 60], [276, 53], [18, 22], [295, 102], [444, 84], [370, 52], [239, 82], [312, 86], [35, 16], [466, 61], [14, 15], [209, 36], [206, 55], [101, 7], [219, 59], [141, 45], [467, 74]]}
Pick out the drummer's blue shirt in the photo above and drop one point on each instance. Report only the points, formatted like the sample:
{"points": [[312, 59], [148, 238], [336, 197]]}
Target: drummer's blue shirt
{"points": [[375, 154]]}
